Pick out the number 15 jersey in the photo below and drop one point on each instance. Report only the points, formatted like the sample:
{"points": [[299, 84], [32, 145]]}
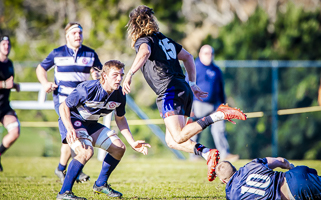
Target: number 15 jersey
{"points": [[162, 67], [255, 181]]}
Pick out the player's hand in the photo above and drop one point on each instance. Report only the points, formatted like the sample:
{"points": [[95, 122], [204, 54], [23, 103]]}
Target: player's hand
{"points": [[94, 74], [50, 86], [126, 84], [9, 83], [199, 94], [17, 86], [141, 146], [71, 136]]}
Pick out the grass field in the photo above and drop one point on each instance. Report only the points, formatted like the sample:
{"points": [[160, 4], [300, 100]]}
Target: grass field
{"points": [[33, 178]]}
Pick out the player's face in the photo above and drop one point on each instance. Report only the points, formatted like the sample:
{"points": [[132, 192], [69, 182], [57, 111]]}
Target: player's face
{"points": [[114, 78], [5, 47], [74, 38], [206, 56]]}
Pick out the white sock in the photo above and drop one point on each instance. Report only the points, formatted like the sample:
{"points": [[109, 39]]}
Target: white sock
{"points": [[205, 153], [217, 116]]}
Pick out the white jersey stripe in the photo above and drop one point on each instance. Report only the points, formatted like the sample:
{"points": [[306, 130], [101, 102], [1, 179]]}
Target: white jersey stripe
{"points": [[68, 61], [71, 76], [65, 90]]}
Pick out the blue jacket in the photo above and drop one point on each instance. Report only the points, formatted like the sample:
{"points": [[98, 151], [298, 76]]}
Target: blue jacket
{"points": [[210, 79]]}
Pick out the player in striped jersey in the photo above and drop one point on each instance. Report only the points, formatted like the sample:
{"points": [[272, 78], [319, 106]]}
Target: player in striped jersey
{"points": [[257, 180], [79, 119], [8, 116], [73, 64]]}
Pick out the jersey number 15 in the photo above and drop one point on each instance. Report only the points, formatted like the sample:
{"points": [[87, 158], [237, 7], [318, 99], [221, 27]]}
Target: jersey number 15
{"points": [[168, 48]]}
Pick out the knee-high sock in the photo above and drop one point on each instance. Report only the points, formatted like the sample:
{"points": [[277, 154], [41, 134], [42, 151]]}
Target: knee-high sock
{"points": [[108, 167], [2, 149], [73, 171]]}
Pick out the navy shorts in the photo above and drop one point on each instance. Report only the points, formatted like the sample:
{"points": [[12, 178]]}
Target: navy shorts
{"points": [[91, 127], [176, 100], [304, 183], [7, 111]]}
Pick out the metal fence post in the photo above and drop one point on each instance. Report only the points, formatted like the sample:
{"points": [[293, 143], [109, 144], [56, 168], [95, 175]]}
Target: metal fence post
{"points": [[275, 78]]}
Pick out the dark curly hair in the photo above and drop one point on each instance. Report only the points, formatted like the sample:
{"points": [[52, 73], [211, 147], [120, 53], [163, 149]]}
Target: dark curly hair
{"points": [[142, 22]]}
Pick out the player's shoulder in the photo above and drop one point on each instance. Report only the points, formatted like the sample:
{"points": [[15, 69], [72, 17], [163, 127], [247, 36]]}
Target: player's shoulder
{"points": [[60, 49], [86, 48]]}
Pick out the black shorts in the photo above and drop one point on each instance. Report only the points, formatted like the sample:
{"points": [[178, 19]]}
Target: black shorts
{"points": [[7, 111], [176, 100]]}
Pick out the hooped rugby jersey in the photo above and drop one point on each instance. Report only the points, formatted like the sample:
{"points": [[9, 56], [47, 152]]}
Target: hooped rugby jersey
{"points": [[6, 70], [70, 68], [162, 67], [89, 101], [255, 181]]}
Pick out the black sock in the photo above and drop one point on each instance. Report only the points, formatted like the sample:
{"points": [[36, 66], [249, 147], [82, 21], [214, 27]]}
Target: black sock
{"points": [[198, 149], [2, 149], [205, 122]]}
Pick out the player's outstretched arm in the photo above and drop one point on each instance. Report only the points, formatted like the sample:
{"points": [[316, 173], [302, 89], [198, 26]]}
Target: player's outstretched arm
{"points": [[140, 59], [139, 145], [189, 64], [42, 77], [279, 162], [64, 112]]}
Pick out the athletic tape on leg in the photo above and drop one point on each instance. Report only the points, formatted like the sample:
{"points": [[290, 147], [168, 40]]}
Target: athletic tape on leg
{"points": [[83, 137], [13, 125], [106, 138]]}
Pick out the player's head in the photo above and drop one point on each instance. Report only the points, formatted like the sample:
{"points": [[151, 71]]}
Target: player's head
{"points": [[5, 45], [142, 22], [112, 74], [225, 170], [73, 33], [206, 54]]}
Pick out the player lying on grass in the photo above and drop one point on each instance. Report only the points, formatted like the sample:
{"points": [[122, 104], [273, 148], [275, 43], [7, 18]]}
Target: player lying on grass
{"points": [[158, 57], [257, 180], [80, 113]]}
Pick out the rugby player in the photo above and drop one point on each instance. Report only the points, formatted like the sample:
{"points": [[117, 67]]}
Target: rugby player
{"points": [[8, 116], [257, 180], [79, 121], [158, 57], [73, 63]]}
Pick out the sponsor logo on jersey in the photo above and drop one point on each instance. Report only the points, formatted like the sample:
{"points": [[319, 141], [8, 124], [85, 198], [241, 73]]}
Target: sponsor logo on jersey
{"points": [[85, 61], [77, 123], [112, 105]]}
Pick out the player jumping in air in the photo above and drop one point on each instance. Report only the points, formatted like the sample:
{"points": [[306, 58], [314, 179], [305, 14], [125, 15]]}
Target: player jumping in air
{"points": [[158, 57]]}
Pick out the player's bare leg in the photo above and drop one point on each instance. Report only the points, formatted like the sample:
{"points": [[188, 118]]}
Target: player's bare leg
{"points": [[65, 153], [110, 142], [11, 123], [174, 125]]}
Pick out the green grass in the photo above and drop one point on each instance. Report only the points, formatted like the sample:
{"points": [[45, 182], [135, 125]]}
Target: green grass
{"points": [[33, 178]]}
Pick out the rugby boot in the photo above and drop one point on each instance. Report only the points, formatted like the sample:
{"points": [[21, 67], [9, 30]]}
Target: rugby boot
{"points": [[82, 178], [106, 189], [231, 113], [61, 174], [212, 161], [69, 195]]}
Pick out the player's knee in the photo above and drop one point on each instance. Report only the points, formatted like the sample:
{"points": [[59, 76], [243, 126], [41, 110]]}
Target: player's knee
{"points": [[119, 151], [14, 129], [179, 139], [85, 153]]}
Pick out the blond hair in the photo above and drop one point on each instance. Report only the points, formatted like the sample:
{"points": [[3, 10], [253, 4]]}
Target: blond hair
{"points": [[107, 66], [142, 22], [225, 170]]}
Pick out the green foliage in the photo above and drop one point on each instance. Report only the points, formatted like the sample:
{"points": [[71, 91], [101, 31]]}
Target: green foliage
{"points": [[296, 35], [33, 178]]}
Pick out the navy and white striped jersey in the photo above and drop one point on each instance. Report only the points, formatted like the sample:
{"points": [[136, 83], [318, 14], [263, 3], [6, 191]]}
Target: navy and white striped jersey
{"points": [[255, 181], [70, 69], [89, 101]]}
